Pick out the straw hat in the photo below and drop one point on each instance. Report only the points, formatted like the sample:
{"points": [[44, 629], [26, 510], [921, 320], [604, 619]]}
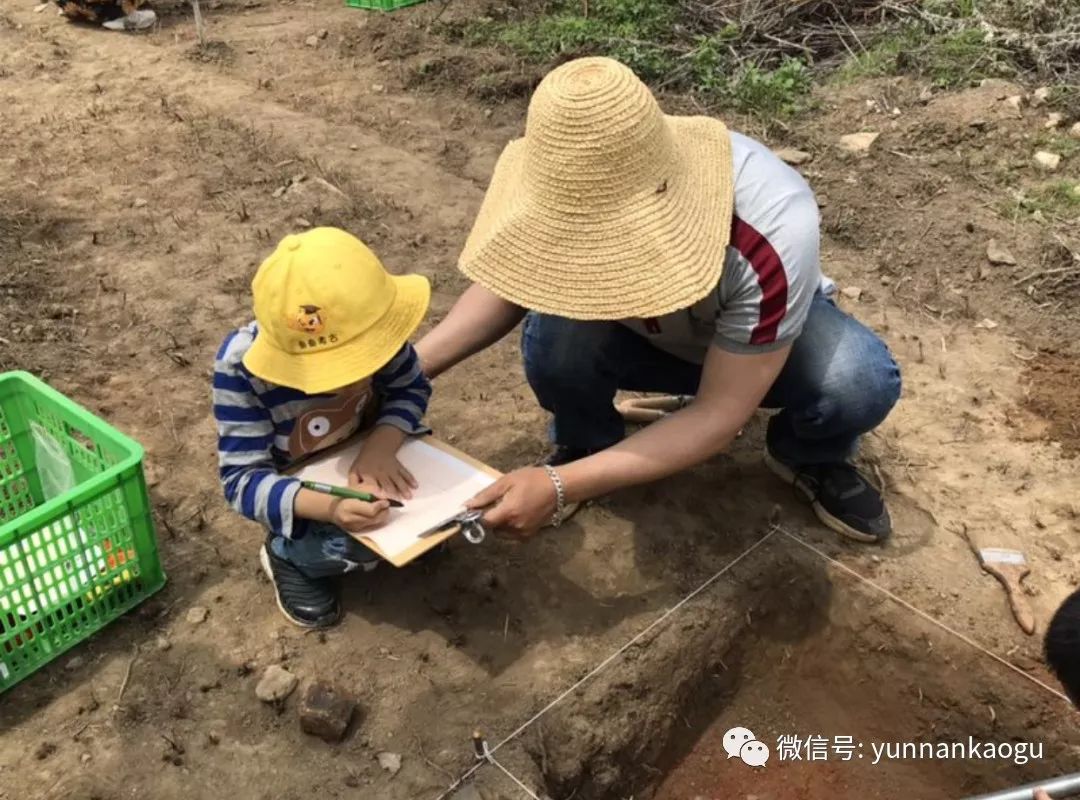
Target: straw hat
{"points": [[607, 208]]}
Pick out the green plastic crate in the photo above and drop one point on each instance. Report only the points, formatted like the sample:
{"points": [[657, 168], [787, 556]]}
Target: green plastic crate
{"points": [[383, 5], [71, 564]]}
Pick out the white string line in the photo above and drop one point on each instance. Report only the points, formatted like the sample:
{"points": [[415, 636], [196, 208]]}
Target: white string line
{"points": [[600, 667], [512, 777], [924, 615]]}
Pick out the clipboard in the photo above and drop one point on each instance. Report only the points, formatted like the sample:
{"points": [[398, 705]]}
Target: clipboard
{"points": [[455, 476]]}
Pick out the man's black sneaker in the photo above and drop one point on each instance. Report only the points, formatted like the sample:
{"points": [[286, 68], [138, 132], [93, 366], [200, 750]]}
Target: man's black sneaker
{"points": [[307, 602], [841, 497]]}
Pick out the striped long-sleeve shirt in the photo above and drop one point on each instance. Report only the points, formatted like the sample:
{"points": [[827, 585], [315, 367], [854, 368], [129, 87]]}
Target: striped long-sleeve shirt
{"points": [[263, 428]]}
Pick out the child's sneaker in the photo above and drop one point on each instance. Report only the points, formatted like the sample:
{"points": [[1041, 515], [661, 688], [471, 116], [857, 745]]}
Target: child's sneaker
{"points": [[307, 602]]}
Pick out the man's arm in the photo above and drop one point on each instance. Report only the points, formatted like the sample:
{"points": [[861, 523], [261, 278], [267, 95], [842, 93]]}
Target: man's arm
{"points": [[478, 319], [732, 387]]}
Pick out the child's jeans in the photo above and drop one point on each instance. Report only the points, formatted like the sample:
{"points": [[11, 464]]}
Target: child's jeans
{"points": [[322, 550]]}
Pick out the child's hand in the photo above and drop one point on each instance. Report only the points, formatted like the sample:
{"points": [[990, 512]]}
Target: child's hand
{"points": [[382, 470], [356, 515]]}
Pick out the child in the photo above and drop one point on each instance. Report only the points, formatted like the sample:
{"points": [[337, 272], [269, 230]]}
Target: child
{"points": [[1063, 645], [327, 354]]}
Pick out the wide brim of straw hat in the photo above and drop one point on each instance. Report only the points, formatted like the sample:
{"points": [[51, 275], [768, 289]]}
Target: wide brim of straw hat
{"points": [[659, 251], [351, 361]]}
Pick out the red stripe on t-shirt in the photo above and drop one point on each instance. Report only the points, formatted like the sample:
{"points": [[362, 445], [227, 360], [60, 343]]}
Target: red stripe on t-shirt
{"points": [[771, 277]]}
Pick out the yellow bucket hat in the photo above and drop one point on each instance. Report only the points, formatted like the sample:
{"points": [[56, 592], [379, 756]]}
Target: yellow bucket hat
{"points": [[329, 314], [607, 208]]}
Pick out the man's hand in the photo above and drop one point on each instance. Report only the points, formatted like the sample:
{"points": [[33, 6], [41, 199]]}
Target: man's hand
{"points": [[355, 516], [1041, 794], [377, 465], [518, 504]]}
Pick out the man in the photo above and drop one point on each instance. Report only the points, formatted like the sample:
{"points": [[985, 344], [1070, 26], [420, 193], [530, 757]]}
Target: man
{"points": [[656, 253]]}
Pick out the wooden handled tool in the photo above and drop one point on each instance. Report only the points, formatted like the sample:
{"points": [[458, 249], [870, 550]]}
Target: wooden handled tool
{"points": [[643, 410], [1010, 567]]}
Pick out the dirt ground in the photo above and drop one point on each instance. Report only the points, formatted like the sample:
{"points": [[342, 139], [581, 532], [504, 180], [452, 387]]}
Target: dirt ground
{"points": [[144, 180]]}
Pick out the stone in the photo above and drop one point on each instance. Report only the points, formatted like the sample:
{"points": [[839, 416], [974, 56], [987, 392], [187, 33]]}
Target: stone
{"points": [[322, 33], [312, 41], [1015, 103], [1047, 161], [996, 253], [197, 615], [74, 664], [1040, 96], [140, 202], [378, 88], [851, 292], [162, 644], [85, 758], [858, 142], [1074, 131], [790, 155], [325, 712], [276, 684], [280, 191], [986, 325], [301, 222], [1053, 121], [391, 762]]}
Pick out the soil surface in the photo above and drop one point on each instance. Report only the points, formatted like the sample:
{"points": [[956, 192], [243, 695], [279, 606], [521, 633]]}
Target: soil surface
{"points": [[146, 177]]}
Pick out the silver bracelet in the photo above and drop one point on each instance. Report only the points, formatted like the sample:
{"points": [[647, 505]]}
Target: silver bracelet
{"points": [[560, 496]]}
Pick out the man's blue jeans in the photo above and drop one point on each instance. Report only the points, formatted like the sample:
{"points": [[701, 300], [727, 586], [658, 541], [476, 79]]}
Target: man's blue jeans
{"points": [[839, 382]]}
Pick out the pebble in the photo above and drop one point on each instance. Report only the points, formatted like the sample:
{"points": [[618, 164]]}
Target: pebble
{"points": [[302, 222], [322, 33], [1047, 160], [276, 684], [790, 155], [140, 202], [858, 142], [325, 712], [1016, 102], [997, 254], [391, 762], [378, 88], [162, 644], [354, 147], [1040, 96], [1074, 131], [280, 191], [85, 758], [986, 324], [197, 615], [312, 41], [851, 292], [75, 664], [1053, 121]]}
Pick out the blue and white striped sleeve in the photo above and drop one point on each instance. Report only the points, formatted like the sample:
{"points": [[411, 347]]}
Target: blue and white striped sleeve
{"points": [[246, 466], [404, 391]]}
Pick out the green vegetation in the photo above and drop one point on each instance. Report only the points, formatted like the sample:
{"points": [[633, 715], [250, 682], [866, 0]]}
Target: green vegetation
{"points": [[1056, 200], [948, 60], [763, 58], [649, 37]]}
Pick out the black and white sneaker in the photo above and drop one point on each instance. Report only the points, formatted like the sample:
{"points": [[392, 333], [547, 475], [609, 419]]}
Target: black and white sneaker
{"points": [[841, 497], [307, 602]]}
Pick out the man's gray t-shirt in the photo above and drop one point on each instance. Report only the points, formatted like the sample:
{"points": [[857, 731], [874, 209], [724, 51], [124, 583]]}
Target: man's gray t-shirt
{"points": [[771, 270]]}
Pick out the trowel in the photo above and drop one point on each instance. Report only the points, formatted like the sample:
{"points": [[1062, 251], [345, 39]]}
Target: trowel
{"points": [[1009, 565]]}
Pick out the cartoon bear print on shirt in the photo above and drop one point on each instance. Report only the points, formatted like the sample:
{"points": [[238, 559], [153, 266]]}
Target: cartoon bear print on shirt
{"points": [[332, 420]]}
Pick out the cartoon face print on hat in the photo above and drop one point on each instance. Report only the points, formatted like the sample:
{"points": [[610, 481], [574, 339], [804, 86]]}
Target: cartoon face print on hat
{"points": [[330, 421], [307, 319]]}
